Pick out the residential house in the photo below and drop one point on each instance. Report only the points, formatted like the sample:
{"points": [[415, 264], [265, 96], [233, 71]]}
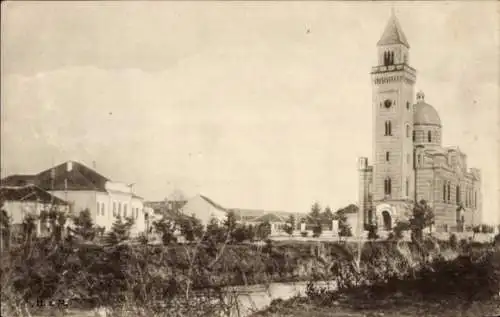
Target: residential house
{"points": [[84, 188], [204, 209], [21, 201]]}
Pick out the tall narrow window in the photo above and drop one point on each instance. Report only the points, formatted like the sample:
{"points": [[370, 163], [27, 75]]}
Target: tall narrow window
{"points": [[457, 198], [119, 209], [429, 136], [114, 209], [408, 159], [102, 209], [444, 191], [414, 135], [388, 128], [124, 211], [407, 186], [407, 130], [475, 199], [387, 156], [408, 105], [448, 192], [387, 186]]}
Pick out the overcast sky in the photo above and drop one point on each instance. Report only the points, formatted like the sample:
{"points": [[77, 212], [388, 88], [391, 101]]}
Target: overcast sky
{"points": [[255, 104]]}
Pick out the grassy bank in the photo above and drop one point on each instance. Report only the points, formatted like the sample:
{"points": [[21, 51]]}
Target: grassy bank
{"points": [[468, 285], [189, 278]]}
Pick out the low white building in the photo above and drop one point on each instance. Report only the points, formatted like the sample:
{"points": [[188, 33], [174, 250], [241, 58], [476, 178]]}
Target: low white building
{"points": [[84, 188], [204, 209], [21, 201]]}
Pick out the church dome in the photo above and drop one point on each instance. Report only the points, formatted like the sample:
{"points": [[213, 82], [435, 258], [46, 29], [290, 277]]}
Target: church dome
{"points": [[425, 114]]}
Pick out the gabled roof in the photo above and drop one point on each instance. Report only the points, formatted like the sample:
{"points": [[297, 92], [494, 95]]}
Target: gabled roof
{"points": [[61, 177], [29, 193], [214, 204], [79, 177], [393, 33], [269, 217], [18, 180]]}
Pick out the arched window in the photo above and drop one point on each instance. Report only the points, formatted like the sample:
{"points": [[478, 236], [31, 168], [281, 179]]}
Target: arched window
{"points": [[429, 136], [457, 194], [386, 58], [388, 128], [407, 130], [405, 58], [114, 208], [387, 186], [408, 105], [448, 192], [414, 135], [387, 156], [407, 186], [391, 58]]}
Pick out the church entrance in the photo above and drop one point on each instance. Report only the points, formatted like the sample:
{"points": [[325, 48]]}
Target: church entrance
{"points": [[386, 220]]}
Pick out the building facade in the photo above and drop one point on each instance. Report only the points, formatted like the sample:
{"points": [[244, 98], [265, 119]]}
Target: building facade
{"points": [[84, 188], [21, 201], [409, 161]]}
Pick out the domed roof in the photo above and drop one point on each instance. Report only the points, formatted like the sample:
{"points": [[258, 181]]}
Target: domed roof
{"points": [[424, 113]]}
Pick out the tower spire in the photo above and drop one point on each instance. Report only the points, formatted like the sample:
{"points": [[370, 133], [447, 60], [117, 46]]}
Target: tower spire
{"points": [[393, 33]]}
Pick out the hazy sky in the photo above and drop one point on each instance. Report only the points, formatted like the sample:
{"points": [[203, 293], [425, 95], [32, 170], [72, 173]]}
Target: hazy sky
{"points": [[255, 104]]}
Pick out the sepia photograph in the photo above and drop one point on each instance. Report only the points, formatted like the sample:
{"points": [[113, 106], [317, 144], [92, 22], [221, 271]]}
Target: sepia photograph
{"points": [[250, 158]]}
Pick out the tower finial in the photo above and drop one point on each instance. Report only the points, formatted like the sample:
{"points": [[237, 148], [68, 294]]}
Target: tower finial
{"points": [[420, 96]]}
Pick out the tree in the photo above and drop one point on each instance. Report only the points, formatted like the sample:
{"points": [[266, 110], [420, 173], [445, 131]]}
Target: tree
{"points": [[315, 213], [84, 226], [317, 230], [56, 221], [239, 234], [191, 228], [215, 233], [29, 228], [423, 217], [120, 231], [344, 226], [263, 230], [5, 227], [250, 232], [230, 222], [166, 228], [399, 228], [290, 224], [327, 215], [372, 232]]}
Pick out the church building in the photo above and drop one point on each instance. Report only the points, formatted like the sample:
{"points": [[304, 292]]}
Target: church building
{"points": [[409, 161]]}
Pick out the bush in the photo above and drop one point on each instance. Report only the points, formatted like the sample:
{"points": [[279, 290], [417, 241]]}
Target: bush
{"points": [[372, 232], [399, 228], [453, 241], [317, 230], [304, 233]]}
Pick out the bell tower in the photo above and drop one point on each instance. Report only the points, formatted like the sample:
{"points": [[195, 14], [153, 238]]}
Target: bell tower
{"points": [[393, 83]]}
